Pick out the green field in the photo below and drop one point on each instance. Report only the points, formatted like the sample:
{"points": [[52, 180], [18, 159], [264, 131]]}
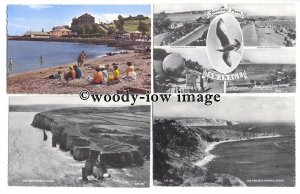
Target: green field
{"points": [[132, 25]]}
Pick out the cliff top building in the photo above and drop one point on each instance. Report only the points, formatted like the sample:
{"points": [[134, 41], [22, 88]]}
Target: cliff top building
{"points": [[82, 20]]}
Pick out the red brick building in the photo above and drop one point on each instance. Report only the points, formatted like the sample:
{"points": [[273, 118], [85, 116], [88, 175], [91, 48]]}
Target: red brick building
{"points": [[82, 20]]}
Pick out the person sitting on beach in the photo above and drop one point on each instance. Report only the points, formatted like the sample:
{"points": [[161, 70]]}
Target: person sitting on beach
{"points": [[78, 72], [55, 76], [114, 79], [130, 73], [98, 76], [71, 74], [116, 73], [80, 58], [105, 74]]}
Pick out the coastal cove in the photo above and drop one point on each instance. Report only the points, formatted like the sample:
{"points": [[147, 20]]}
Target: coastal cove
{"points": [[26, 54], [257, 156]]}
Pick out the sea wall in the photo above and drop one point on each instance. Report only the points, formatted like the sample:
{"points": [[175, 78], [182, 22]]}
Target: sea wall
{"points": [[101, 41]]}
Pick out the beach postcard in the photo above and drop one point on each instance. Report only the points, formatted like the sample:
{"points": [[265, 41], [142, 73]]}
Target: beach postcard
{"points": [[65, 142], [61, 49], [239, 141]]}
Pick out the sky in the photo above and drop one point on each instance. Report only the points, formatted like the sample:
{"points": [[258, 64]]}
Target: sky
{"points": [[22, 18], [233, 108], [171, 8], [273, 56]]}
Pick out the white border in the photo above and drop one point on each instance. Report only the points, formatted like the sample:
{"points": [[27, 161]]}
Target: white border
{"points": [[75, 190]]}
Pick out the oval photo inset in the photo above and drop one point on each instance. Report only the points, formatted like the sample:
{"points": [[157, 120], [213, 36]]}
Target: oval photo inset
{"points": [[224, 43]]}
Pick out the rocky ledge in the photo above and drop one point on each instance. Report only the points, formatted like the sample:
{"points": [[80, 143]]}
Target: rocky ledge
{"points": [[120, 136]]}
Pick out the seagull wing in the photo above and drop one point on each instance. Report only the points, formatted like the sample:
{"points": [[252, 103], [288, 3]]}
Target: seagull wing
{"points": [[226, 58], [221, 33]]}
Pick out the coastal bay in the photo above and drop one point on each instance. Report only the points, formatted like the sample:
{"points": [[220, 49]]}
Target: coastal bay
{"points": [[26, 54], [35, 81]]}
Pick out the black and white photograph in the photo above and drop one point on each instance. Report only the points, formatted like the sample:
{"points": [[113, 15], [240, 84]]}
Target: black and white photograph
{"points": [[224, 43], [239, 141], [181, 70], [181, 24], [268, 71], [269, 24], [64, 141]]}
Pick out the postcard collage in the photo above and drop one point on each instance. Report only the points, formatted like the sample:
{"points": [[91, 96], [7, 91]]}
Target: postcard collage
{"points": [[151, 95]]}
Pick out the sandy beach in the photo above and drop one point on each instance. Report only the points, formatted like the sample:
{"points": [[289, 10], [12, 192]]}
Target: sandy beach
{"points": [[209, 157], [35, 82]]}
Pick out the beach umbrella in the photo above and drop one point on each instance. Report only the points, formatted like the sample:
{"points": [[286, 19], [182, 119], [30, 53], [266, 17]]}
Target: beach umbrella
{"points": [[174, 64]]}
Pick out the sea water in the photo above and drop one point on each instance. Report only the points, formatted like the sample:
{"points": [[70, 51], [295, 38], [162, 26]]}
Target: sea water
{"points": [[259, 162], [33, 161], [26, 54]]}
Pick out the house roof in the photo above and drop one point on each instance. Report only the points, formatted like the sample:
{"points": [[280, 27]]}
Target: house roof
{"points": [[61, 29], [28, 33]]}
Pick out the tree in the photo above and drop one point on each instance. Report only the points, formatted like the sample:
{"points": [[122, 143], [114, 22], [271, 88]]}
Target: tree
{"points": [[161, 23], [96, 29], [81, 30], [110, 31], [160, 54], [120, 23], [143, 27], [88, 28]]}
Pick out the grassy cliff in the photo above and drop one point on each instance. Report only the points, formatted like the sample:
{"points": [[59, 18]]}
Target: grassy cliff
{"points": [[178, 146]]}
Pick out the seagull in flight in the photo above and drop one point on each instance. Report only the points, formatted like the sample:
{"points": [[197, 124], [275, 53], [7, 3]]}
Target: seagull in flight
{"points": [[227, 45]]}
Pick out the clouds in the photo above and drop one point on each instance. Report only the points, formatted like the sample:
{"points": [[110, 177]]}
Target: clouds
{"points": [[39, 7], [47, 16], [109, 17]]}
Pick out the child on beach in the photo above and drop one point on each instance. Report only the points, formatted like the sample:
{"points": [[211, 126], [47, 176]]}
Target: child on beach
{"points": [[130, 73], [116, 73], [55, 76], [114, 79], [71, 74], [98, 76], [78, 72], [105, 74]]}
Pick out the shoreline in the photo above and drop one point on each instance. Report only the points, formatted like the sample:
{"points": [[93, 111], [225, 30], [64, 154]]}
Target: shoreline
{"points": [[125, 44], [91, 60], [35, 82], [209, 157]]}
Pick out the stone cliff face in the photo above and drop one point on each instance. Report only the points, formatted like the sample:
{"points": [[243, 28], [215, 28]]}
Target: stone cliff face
{"points": [[77, 130]]}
